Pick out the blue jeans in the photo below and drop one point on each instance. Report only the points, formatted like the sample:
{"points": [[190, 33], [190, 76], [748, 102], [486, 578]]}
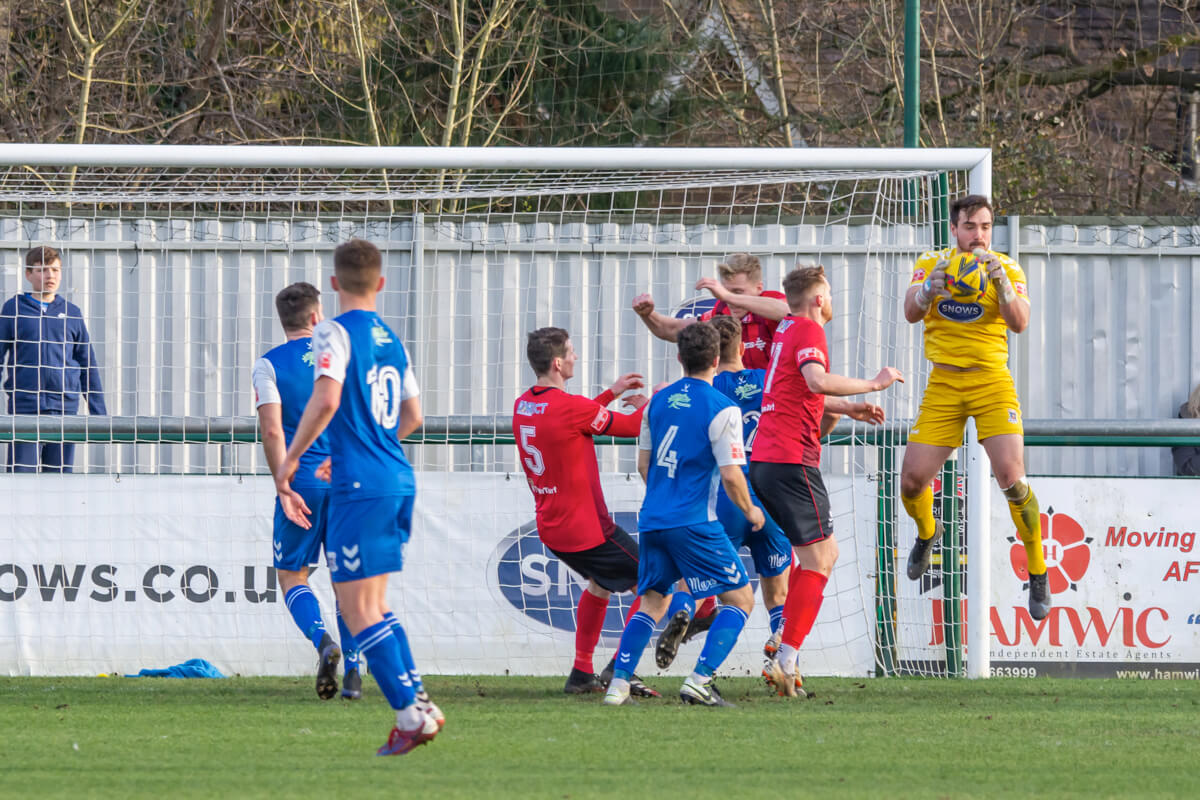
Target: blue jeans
{"points": [[40, 457]]}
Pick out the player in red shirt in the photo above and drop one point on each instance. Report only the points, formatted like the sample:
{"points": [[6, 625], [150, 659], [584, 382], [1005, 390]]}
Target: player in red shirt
{"points": [[554, 433], [802, 400], [739, 293]]}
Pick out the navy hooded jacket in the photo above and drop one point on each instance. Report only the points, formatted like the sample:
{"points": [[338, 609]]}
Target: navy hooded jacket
{"points": [[47, 358]]}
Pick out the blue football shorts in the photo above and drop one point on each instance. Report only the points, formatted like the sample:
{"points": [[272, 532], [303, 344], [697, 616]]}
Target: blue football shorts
{"points": [[769, 546], [700, 554], [367, 537], [295, 548]]}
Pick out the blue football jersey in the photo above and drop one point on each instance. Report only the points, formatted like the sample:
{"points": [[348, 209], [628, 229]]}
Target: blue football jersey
{"points": [[745, 388], [284, 375], [690, 430], [363, 354]]}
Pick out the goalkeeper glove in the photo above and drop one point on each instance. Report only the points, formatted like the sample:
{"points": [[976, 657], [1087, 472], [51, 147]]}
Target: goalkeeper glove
{"points": [[934, 285], [998, 275]]}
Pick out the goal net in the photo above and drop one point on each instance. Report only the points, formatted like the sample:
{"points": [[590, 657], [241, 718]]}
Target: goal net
{"points": [[157, 547]]}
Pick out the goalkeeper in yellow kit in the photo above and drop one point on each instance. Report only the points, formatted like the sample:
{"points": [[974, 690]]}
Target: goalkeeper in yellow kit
{"points": [[968, 345]]}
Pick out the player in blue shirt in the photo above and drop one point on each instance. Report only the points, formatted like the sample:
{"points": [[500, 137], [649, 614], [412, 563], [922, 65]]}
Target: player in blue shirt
{"points": [[366, 394], [769, 547], [691, 442], [282, 385]]}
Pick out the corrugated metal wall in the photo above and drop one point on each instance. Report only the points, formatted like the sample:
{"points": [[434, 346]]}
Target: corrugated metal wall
{"points": [[181, 308]]}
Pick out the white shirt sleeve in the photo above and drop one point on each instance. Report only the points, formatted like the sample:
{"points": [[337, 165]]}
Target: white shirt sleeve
{"points": [[725, 436], [266, 390], [409, 388], [331, 350], [644, 436]]}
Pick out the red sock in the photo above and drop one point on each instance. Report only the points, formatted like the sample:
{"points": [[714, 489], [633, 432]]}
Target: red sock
{"points": [[707, 607], [806, 590], [633, 609], [589, 621]]}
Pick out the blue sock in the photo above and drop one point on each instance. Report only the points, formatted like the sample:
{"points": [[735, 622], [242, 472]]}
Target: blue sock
{"points": [[636, 636], [776, 617], [681, 601], [387, 664], [402, 637], [349, 647], [722, 636], [306, 611]]}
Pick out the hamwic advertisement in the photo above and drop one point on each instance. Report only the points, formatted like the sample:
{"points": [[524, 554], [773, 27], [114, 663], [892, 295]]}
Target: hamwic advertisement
{"points": [[1125, 574]]}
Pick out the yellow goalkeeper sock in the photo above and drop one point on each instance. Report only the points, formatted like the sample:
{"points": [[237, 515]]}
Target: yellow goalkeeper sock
{"points": [[920, 508], [1023, 507]]}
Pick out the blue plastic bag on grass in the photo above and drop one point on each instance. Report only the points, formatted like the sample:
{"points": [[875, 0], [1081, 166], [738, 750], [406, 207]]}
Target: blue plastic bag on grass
{"points": [[192, 668]]}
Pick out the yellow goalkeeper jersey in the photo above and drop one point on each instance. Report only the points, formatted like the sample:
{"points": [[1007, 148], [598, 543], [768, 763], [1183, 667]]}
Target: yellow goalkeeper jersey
{"points": [[968, 334]]}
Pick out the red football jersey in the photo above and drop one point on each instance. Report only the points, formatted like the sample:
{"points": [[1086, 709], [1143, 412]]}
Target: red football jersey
{"points": [[789, 430], [554, 433], [757, 332]]}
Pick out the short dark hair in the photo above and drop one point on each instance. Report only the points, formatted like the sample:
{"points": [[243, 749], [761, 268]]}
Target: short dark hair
{"points": [[41, 255], [357, 265], [543, 346], [294, 304], [798, 282], [730, 331], [699, 346], [969, 204]]}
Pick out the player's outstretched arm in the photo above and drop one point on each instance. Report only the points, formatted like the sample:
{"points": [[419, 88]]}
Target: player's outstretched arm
{"points": [[734, 481], [863, 412], [768, 307], [662, 326], [831, 384], [829, 420], [643, 464]]}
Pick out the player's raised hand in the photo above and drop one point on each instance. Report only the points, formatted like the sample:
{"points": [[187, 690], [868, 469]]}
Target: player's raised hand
{"points": [[635, 401], [325, 471], [755, 518], [658, 387], [630, 380], [935, 285], [713, 285], [867, 412], [997, 273], [886, 377], [643, 304]]}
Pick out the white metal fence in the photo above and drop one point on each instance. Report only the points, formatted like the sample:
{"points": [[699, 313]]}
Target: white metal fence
{"points": [[180, 309]]}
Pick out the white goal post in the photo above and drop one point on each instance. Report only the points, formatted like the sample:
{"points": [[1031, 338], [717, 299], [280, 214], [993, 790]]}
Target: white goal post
{"points": [[176, 251]]}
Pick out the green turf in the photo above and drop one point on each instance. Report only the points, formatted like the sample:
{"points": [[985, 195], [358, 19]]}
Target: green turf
{"points": [[519, 737]]}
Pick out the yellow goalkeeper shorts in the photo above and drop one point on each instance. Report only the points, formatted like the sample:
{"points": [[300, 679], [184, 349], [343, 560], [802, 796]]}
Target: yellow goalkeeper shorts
{"points": [[951, 397]]}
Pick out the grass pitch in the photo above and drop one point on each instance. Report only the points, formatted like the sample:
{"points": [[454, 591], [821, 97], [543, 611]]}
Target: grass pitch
{"points": [[520, 737]]}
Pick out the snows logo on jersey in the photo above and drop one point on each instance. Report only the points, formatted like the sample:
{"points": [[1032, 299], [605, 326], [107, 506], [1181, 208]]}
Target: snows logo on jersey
{"points": [[326, 360], [679, 400], [380, 335], [601, 421], [745, 391], [959, 312]]}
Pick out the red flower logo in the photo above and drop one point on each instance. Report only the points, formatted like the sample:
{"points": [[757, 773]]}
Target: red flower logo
{"points": [[1065, 548]]}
